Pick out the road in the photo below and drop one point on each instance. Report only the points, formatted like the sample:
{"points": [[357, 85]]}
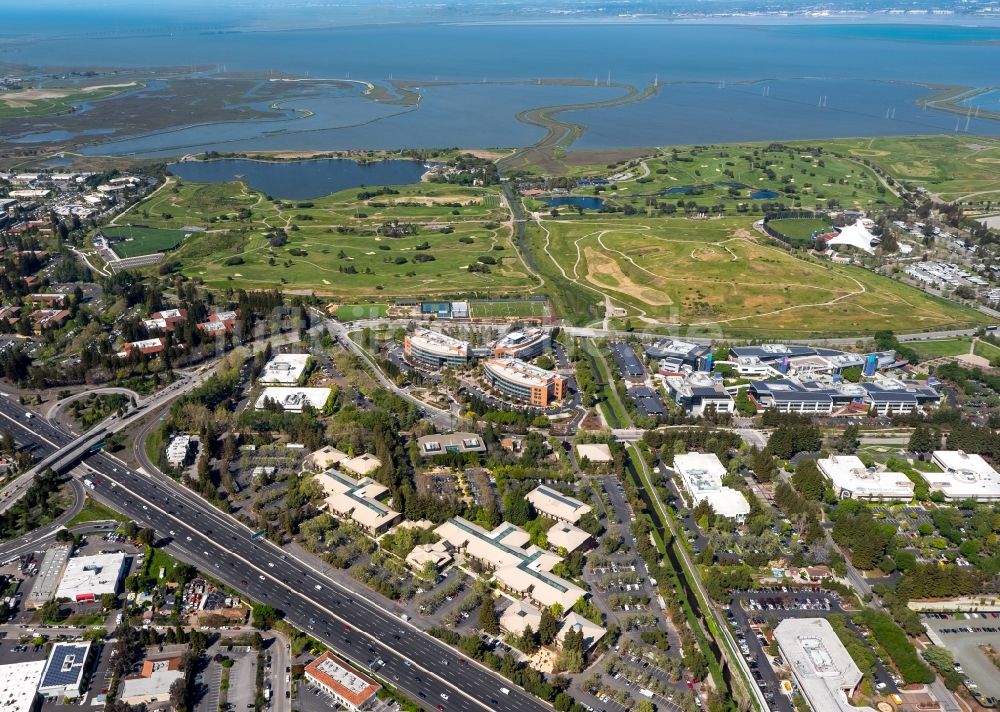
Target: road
{"points": [[33, 540], [353, 626]]}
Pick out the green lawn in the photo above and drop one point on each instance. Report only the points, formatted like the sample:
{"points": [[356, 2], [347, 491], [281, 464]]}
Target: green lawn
{"points": [[941, 347], [799, 230], [94, 511], [509, 309], [143, 240], [21, 104]]}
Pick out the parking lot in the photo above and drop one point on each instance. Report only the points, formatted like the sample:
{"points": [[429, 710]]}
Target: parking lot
{"points": [[966, 638]]}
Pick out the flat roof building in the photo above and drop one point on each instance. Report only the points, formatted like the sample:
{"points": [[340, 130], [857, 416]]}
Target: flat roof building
{"points": [[701, 474], [823, 669], [166, 320], [698, 392], [674, 354], [629, 365], [284, 369], [178, 450], [65, 670], [556, 505], [324, 458], [19, 685], [566, 537], [524, 382], [358, 500], [87, 578], [851, 479], [346, 686], [294, 399], [963, 476], [433, 349], [517, 565], [50, 572], [595, 452], [152, 684], [431, 445], [524, 344]]}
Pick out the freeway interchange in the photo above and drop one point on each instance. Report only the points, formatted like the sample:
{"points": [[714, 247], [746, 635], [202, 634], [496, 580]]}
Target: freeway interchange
{"points": [[425, 669]]}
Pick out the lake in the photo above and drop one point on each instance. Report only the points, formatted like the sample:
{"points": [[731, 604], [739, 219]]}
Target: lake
{"points": [[300, 180], [574, 201]]}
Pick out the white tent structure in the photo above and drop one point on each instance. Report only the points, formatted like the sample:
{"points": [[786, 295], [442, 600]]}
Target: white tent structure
{"points": [[856, 235]]}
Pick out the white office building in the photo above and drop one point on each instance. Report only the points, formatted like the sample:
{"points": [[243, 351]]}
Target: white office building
{"points": [[701, 474], [963, 476], [284, 369], [19, 685], [823, 669], [852, 480], [293, 399]]}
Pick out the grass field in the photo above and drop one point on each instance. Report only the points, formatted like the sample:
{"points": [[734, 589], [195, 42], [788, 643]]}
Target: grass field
{"points": [[508, 309], [799, 230], [344, 245], [94, 511], [953, 167], [719, 277], [986, 350], [350, 312], [941, 347], [143, 240]]}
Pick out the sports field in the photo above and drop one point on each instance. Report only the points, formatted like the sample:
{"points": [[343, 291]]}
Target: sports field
{"points": [[350, 312], [799, 230], [516, 309], [721, 277], [143, 240], [409, 241]]}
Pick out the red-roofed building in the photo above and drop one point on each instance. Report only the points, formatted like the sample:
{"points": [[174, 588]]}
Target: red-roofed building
{"points": [[166, 320], [344, 685], [45, 319], [146, 347], [219, 323]]}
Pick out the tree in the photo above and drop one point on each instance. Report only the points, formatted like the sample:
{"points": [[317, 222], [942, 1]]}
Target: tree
{"points": [[645, 706], [264, 616], [808, 480], [488, 616], [571, 654], [922, 440], [745, 406], [51, 611], [547, 627], [178, 693], [847, 443], [109, 601], [146, 537]]}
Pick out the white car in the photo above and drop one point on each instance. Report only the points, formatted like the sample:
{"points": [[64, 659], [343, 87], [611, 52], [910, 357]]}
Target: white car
{"points": [[444, 696]]}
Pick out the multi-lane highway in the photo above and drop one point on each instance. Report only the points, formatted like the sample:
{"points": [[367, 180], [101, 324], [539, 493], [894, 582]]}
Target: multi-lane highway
{"points": [[358, 629]]}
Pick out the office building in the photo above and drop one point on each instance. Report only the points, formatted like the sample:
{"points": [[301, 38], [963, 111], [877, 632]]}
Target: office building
{"points": [[673, 355], [556, 505], [698, 392], [432, 349], [431, 445], [152, 685], [294, 399], [629, 366], [178, 450], [524, 344], [284, 369], [344, 685], [517, 565], [65, 670], [358, 500], [963, 476], [523, 382], [701, 474], [823, 669], [852, 480]]}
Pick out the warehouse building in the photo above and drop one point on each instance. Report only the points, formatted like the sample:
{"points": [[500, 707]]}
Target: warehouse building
{"points": [[701, 474], [852, 480], [87, 578], [432, 349], [19, 685], [823, 669], [963, 476], [524, 382], [65, 670], [49, 575], [343, 685]]}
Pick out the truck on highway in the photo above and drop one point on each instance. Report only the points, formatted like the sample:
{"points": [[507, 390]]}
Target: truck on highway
{"points": [[89, 483]]}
